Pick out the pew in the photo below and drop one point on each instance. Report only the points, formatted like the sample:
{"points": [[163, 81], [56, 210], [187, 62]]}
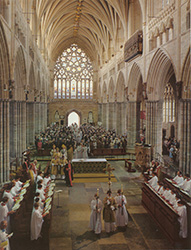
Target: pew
{"points": [[161, 212], [184, 194], [107, 151]]}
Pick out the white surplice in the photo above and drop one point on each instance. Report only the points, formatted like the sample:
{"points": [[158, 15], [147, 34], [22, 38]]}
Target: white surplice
{"points": [[121, 212], [183, 220], [95, 217], [36, 224]]}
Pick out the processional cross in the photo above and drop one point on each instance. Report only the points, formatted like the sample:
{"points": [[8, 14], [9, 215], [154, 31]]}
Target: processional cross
{"points": [[109, 169]]}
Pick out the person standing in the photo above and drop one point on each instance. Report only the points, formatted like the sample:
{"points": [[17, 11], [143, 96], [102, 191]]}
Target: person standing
{"points": [[68, 174], [36, 222], [4, 237], [95, 217], [109, 212], [121, 212]]}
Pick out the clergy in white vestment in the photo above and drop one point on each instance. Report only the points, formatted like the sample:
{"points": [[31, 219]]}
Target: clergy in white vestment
{"points": [[172, 197], [153, 181], [187, 184], [167, 193], [4, 209], [9, 195], [4, 238], [175, 202], [181, 209], [121, 212], [40, 190], [36, 222], [95, 217], [179, 179], [18, 183]]}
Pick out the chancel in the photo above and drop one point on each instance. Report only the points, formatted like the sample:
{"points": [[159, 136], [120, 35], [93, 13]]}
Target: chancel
{"points": [[95, 102]]}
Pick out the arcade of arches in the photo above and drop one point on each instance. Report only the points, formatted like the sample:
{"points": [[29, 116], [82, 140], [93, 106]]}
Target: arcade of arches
{"points": [[150, 91], [119, 63]]}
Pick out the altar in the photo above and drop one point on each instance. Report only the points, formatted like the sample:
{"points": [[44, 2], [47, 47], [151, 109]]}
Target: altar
{"points": [[89, 165]]}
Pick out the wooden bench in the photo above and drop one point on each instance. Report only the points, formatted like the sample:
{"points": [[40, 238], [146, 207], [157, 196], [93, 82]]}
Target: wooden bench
{"points": [[161, 212], [108, 151]]}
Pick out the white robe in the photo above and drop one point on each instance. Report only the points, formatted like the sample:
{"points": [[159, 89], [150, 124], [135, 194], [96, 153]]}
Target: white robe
{"points": [[3, 212], [95, 217], [153, 182], [36, 224], [121, 212], [4, 238], [187, 186], [41, 192], [10, 202], [167, 194], [183, 221], [179, 180]]}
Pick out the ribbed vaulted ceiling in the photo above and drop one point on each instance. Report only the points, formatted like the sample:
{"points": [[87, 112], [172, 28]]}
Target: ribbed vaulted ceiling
{"points": [[92, 24]]}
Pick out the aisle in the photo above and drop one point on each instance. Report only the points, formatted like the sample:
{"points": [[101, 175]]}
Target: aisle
{"points": [[69, 229]]}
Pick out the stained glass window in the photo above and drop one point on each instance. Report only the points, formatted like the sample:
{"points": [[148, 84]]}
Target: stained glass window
{"points": [[73, 75]]}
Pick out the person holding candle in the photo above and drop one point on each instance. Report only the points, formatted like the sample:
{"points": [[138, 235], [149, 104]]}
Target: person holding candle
{"points": [[121, 212], [95, 217]]}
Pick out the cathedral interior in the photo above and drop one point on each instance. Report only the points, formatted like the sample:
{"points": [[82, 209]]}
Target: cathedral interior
{"points": [[123, 65]]}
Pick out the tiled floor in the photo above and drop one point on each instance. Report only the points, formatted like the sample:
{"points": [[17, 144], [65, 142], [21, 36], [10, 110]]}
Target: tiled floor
{"points": [[69, 229]]}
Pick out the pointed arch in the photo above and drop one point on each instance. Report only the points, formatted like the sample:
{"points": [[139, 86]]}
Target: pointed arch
{"points": [[161, 70], [31, 81], [135, 83], [111, 90], [120, 88], [104, 92], [186, 77], [20, 75], [4, 64], [74, 111]]}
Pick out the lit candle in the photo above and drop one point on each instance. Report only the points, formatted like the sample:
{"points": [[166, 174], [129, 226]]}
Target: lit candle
{"points": [[97, 191], [121, 188]]}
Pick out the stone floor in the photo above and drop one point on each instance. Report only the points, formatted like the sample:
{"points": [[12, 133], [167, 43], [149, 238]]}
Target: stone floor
{"points": [[71, 212]]}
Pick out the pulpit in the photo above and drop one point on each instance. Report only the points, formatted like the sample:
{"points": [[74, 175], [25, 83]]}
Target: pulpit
{"points": [[143, 156]]}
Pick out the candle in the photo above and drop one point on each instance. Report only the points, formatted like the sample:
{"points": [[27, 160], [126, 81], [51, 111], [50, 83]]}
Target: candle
{"points": [[121, 188], [97, 191]]}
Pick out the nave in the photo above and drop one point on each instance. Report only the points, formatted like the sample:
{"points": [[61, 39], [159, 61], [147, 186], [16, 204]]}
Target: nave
{"points": [[69, 228]]}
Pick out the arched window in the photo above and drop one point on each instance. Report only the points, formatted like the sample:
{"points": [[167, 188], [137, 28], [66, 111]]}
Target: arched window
{"points": [[73, 75], [168, 104]]}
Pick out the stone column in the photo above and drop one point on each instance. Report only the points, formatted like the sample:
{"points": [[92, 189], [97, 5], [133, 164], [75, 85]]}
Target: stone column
{"points": [[133, 123], [154, 119], [185, 142], [107, 116], [111, 115], [123, 116], [104, 110], [30, 123], [23, 126], [6, 162], [99, 112], [37, 118]]}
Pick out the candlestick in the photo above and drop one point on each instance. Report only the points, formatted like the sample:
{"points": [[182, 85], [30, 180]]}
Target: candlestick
{"points": [[121, 188], [97, 192]]}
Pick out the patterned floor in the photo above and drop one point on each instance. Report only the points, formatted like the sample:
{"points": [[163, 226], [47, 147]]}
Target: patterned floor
{"points": [[69, 229]]}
